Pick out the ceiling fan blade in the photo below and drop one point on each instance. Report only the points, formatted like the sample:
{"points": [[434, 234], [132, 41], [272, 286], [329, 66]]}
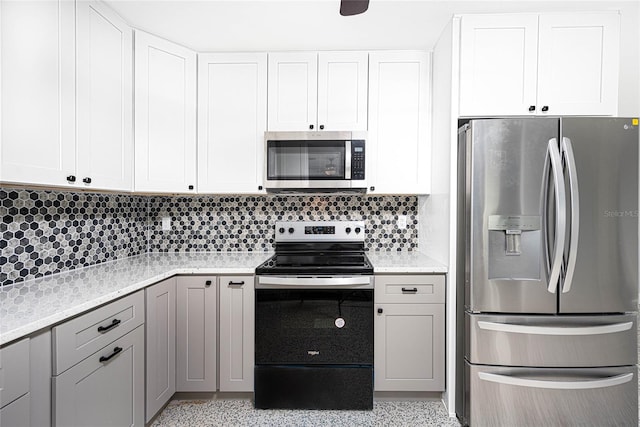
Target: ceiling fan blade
{"points": [[353, 7]]}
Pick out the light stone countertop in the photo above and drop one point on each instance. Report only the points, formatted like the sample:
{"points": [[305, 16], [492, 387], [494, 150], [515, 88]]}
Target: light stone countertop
{"points": [[404, 262], [33, 305]]}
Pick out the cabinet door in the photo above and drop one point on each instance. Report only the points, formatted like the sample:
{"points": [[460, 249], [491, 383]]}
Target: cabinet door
{"points": [[38, 92], [578, 63], [17, 414], [160, 345], [165, 116], [409, 347], [232, 121], [342, 90], [106, 388], [293, 91], [399, 137], [237, 327], [498, 64], [104, 98], [196, 333]]}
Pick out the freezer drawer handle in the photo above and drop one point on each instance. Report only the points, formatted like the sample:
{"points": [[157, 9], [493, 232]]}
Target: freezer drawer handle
{"points": [[557, 385], [558, 330]]}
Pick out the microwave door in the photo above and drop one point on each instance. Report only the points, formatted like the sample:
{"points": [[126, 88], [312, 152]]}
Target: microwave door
{"points": [[307, 163]]}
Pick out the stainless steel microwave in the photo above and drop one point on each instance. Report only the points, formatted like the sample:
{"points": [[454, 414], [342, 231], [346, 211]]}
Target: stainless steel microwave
{"points": [[315, 161]]}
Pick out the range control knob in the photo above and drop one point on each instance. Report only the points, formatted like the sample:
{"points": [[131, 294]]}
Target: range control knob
{"points": [[290, 230], [357, 230], [281, 230], [348, 230]]}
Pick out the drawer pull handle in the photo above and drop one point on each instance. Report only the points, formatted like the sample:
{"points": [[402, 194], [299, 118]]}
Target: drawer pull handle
{"points": [[410, 290], [113, 324], [116, 351], [240, 283]]}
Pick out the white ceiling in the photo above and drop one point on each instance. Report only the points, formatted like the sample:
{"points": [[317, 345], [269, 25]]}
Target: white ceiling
{"points": [[264, 25]]}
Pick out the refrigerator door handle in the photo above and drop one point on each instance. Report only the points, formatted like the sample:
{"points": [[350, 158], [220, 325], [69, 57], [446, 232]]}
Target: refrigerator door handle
{"points": [[561, 214], [555, 330], [567, 152], [557, 385]]}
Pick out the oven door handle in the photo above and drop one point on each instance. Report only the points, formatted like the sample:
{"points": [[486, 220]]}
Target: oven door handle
{"points": [[313, 282]]}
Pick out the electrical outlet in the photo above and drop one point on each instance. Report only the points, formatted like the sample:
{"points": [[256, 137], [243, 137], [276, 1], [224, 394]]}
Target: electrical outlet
{"points": [[166, 223], [402, 222]]}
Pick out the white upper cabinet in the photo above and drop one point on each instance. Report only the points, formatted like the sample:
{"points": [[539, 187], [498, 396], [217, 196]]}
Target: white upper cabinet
{"points": [[398, 150], [578, 63], [165, 116], [38, 92], [232, 119], [530, 64], [317, 91], [104, 98]]}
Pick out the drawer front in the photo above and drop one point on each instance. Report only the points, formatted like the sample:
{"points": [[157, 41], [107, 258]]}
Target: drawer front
{"points": [[14, 371], [411, 289], [551, 397], [80, 337], [18, 413], [107, 388], [550, 341]]}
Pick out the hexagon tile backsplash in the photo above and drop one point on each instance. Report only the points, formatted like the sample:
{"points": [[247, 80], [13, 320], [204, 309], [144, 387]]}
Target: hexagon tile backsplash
{"points": [[47, 232]]}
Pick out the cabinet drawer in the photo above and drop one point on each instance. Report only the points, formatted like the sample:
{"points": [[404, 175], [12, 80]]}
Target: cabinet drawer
{"points": [[80, 337], [17, 414], [14, 371], [413, 289]]}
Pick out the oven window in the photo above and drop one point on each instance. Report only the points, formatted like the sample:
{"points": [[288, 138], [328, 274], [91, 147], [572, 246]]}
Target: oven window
{"points": [[303, 160], [323, 326]]}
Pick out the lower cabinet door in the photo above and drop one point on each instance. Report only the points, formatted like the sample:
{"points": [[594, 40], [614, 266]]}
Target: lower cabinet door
{"points": [[17, 413], [237, 325], [106, 388], [160, 345], [409, 347]]}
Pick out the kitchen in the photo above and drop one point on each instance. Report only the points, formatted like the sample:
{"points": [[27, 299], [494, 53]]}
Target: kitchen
{"points": [[145, 195]]}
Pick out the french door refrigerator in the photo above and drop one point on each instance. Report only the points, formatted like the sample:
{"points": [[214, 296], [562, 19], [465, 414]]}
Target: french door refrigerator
{"points": [[548, 272]]}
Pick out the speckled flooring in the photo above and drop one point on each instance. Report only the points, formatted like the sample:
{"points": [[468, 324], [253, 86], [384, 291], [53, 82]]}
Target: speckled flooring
{"points": [[240, 412]]}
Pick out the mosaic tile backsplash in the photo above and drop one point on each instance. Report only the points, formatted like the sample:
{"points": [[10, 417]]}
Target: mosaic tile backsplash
{"points": [[47, 232]]}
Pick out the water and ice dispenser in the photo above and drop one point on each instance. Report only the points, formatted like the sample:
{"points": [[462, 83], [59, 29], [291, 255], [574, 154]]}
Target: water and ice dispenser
{"points": [[515, 247]]}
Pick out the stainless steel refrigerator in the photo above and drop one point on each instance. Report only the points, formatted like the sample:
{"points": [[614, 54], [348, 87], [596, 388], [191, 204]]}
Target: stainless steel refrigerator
{"points": [[548, 272]]}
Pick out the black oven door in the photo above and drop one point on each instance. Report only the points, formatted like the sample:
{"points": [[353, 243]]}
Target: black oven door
{"points": [[314, 326]]}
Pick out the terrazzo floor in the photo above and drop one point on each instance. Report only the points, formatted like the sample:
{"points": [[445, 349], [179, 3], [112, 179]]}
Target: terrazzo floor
{"points": [[240, 412]]}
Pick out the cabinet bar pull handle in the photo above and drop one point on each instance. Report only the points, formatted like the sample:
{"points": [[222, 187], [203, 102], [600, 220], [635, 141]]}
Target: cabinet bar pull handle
{"points": [[113, 324], [410, 290], [116, 351], [240, 283]]}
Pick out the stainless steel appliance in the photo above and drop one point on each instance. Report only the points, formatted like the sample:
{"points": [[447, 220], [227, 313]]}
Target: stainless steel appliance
{"points": [[315, 161], [314, 319], [548, 272]]}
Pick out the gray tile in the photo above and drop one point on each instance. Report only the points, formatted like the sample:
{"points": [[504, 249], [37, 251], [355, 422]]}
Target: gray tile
{"points": [[240, 412]]}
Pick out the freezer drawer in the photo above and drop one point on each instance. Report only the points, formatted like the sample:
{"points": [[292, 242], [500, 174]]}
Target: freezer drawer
{"points": [[520, 397], [551, 341]]}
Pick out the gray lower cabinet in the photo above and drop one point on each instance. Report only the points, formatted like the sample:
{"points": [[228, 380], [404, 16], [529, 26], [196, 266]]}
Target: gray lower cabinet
{"points": [[196, 333], [237, 327], [106, 388], [409, 344], [160, 323], [25, 382]]}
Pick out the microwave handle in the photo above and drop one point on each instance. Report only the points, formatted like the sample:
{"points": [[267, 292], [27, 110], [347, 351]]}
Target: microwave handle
{"points": [[347, 160]]}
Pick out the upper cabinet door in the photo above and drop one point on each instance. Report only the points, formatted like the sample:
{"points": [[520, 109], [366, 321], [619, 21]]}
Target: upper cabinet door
{"points": [[232, 119], [578, 63], [38, 92], [293, 91], [399, 145], [104, 98], [165, 116], [342, 90], [498, 65]]}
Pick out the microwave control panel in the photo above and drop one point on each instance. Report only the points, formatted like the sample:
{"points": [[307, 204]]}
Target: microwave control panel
{"points": [[357, 159]]}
